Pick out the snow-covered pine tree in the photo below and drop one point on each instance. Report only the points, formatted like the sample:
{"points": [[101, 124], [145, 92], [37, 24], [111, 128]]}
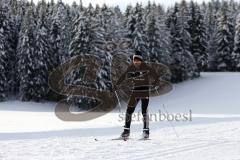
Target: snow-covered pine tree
{"points": [[55, 43], [90, 11], [42, 50], [27, 57], [81, 40], [154, 7], [58, 37], [161, 11], [79, 45], [164, 31], [10, 35], [89, 39], [236, 51], [138, 31], [183, 17], [184, 66], [103, 29], [62, 23], [197, 33], [233, 11], [76, 14], [97, 10], [175, 45], [60, 33], [147, 10], [82, 36], [74, 10], [156, 43], [14, 27], [49, 13], [130, 22], [117, 12], [3, 58], [211, 32], [127, 14], [217, 5], [224, 40]]}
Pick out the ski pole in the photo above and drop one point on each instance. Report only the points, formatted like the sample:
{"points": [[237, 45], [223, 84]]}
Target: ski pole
{"points": [[171, 122], [120, 107], [168, 121]]}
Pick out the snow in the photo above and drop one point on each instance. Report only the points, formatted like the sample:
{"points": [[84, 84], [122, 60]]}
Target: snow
{"points": [[32, 131]]}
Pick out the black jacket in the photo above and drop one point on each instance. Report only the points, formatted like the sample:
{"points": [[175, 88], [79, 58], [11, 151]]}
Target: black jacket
{"points": [[140, 77]]}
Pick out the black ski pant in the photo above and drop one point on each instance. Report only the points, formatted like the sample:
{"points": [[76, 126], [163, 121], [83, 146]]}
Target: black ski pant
{"points": [[131, 107]]}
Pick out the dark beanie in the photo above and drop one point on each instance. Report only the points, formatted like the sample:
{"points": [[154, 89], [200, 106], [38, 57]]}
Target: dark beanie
{"points": [[138, 55]]}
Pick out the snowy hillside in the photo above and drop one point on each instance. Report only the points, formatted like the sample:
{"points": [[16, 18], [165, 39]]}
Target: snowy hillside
{"points": [[32, 131]]}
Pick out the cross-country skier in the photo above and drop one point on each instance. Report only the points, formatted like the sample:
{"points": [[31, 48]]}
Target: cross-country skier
{"points": [[141, 73]]}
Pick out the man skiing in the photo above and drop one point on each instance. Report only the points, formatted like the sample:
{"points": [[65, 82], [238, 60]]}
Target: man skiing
{"points": [[140, 73]]}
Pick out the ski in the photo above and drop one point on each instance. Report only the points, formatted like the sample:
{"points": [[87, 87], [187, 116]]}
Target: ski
{"points": [[144, 139], [121, 138]]}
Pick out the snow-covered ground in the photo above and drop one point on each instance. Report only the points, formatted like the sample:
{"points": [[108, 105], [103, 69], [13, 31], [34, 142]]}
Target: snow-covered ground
{"points": [[31, 131]]}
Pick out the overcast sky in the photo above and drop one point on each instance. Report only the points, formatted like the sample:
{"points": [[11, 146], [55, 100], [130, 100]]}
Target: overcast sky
{"points": [[124, 3]]}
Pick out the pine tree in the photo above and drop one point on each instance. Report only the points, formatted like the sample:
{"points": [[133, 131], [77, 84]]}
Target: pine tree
{"points": [[10, 35], [3, 56], [211, 31], [137, 31], [55, 42], [60, 29], [224, 40], [12, 54], [127, 14], [160, 11], [117, 12], [156, 43], [49, 13], [26, 57], [104, 26], [42, 50], [153, 35], [79, 45], [130, 23], [236, 51], [164, 32], [184, 66], [197, 33], [175, 44], [183, 17], [147, 10], [81, 41], [75, 9]]}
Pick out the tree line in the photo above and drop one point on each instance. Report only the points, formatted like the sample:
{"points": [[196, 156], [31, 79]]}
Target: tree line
{"points": [[188, 37]]}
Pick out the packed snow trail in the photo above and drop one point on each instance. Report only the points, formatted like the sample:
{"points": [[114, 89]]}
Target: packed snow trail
{"points": [[32, 131]]}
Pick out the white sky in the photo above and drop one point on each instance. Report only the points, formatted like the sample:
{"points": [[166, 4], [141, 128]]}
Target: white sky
{"points": [[124, 3]]}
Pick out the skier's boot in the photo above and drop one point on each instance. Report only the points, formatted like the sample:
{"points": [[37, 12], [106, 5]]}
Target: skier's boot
{"points": [[125, 133], [145, 133]]}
